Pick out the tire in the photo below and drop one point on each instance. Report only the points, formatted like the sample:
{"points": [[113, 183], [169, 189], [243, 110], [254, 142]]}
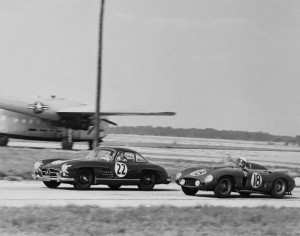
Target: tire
{"points": [[114, 187], [66, 145], [91, 145], [279, 188], [189, 191], [147, 181], [244, 194], [3, 141], [84, 179], [51, 184], [223, 188]]}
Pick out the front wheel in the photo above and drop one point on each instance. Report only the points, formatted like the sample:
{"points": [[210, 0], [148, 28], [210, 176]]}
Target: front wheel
{"points": [[147, 181], [189, 191], [84, 179], [279, 189], [223, 188], [51, 184]]}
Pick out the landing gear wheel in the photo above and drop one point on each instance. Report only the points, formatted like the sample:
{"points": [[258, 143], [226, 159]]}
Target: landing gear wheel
{"points": [[91, 146], [66, 145], [114, 187], [189, 191], [147, 181], [51, 184], [84, 179], [3, 140], [279, 189], [244, 194], [223, 188]]}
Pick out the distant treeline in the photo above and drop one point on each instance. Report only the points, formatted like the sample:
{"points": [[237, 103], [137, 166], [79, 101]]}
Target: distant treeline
{"points": [[201, 133]]}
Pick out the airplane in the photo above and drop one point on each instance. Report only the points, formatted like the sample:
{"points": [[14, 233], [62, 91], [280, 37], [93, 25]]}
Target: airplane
{"points": [[54, 119]]}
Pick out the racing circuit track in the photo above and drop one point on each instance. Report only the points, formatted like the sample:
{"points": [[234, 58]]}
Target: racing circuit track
{"points": [[28, 193]]}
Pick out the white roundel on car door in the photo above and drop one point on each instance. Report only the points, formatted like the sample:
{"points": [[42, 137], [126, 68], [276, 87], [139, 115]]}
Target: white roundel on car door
{"points": [[256, 180], [120, 169]]}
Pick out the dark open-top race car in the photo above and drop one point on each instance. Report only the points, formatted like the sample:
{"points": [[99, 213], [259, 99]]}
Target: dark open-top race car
{"points": [[229, 178], [104, 165]]}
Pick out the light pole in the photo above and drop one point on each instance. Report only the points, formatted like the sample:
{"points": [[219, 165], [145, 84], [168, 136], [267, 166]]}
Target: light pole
{"points": [[98, 92]]}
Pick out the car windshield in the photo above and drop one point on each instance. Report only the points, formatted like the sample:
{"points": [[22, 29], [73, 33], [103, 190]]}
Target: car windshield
{"points": [[101, 154]]}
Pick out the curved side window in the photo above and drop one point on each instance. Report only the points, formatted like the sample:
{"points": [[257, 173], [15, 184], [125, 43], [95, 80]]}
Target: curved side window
{"points": [[139, 158]]}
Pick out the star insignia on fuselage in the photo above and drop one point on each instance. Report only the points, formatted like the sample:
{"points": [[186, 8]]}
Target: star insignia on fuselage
{"points": [[38, 107]]}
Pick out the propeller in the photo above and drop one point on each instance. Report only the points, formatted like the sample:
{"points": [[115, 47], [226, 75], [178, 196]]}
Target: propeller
{"points": [[91, 128]]}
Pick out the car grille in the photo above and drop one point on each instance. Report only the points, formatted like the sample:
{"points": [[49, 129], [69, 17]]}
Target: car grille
{"points": [[189, 182], [107, 173], [50, 172]]}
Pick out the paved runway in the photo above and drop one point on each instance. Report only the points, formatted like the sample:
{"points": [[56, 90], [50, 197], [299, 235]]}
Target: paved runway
{"points": [[27, 193]]}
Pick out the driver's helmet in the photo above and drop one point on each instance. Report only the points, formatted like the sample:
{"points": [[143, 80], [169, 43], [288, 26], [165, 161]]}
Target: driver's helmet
{"points": [[242, 162]]}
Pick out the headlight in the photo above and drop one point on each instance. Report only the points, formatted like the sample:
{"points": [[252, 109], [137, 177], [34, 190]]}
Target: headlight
{"points": [[182, 181], [178, 175], [37, 165], [208, 178], [64, 168], [197, 183]]}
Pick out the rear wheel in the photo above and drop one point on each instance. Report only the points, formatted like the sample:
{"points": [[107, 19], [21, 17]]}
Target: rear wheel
{"points": [[3, 140], [189, 191], [114, 187], [66, 144], [84, 179], [51, 184], [223, 188], [279, 189], [147, 181]]}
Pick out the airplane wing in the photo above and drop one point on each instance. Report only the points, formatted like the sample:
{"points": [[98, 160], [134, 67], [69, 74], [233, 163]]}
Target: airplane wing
{"points": [[85, 111], [84, 115]]}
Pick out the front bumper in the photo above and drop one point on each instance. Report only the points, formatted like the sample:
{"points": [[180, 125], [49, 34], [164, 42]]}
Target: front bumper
{"points": [[57, 179], [50, 175], [167, 180], [190, 183]]}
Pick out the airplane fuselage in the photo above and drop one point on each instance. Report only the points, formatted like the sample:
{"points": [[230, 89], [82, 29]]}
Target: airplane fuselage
{"points": [[16, 125], [20, 126]]}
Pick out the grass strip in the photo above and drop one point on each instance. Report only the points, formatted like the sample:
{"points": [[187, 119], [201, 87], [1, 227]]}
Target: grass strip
{"points": [[201, 220]]}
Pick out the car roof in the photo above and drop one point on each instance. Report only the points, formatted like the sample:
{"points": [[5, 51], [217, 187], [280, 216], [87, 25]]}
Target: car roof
{"points": [[117, 148]]}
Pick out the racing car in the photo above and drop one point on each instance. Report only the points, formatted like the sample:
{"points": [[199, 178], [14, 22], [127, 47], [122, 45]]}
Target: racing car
{"points": [[223, 180], [112, 166]]}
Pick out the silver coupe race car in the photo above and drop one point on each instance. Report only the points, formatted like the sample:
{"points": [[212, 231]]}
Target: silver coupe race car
{"points": [[112, 166]]}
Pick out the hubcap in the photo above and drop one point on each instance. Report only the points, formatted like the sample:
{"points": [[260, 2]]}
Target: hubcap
{"points": [[147, 180], [224, 186], [279, 188], [84, 179]]}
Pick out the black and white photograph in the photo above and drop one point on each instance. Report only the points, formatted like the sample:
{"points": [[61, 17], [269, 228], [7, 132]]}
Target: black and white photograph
{"points": [[149, 117]]}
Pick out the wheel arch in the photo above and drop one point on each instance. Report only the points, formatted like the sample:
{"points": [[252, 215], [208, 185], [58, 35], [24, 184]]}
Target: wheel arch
{"points": [[151, 171], [86, 168], [231, 177]]}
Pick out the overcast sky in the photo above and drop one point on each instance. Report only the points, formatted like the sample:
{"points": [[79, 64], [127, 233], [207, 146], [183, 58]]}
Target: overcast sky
{"points": [[223, 64]]}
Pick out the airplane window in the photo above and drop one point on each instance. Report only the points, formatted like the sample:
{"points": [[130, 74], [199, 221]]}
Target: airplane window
{"points": [[3, 118], [38, 122], [16, 120], [23, 121], [30, 121]]}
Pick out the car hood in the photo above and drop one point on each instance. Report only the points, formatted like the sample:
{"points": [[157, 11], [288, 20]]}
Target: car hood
{"points": [[203, 171], [57, 164]]}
